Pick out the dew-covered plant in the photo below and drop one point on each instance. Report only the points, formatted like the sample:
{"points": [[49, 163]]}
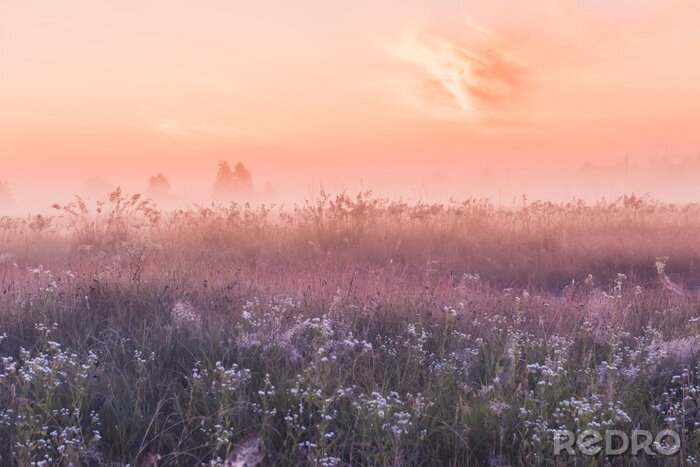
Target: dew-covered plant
{"points": [[347, 331]]}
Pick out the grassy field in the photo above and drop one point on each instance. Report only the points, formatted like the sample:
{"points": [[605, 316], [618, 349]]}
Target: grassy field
{"points": [[345, 331]]}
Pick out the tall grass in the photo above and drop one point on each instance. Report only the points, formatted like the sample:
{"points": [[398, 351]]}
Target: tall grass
{"points": [[347, 330]]}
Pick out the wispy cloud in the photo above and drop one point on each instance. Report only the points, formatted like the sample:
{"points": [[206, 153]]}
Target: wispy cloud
{"points": [[480, 78]]}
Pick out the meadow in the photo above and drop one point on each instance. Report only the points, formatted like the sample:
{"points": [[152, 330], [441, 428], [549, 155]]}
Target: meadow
{"points": [[347, 330]]}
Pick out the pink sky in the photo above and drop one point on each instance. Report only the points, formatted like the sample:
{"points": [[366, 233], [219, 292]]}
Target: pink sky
{"points": [[386, 92]]}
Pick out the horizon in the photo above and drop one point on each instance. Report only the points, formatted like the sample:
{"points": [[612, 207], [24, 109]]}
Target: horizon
{"points": [[424, 100], [664, 180]]}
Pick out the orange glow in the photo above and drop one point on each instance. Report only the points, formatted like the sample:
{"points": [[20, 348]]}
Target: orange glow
{"points": [[397, 96]]}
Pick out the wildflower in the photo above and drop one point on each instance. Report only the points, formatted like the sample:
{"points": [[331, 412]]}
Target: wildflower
{"points": [[661, 265], [184, 314]]}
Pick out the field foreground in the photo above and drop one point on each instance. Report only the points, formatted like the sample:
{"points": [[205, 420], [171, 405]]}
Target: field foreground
{"points": [[347, 331]]}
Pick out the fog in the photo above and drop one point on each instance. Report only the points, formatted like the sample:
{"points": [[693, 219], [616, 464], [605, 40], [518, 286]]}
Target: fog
{"points": [[664, 179]]}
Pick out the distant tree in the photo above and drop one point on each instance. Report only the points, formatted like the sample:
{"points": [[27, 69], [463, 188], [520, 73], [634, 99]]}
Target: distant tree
{"points": [[4, 193], [224, 181], [158, 186], [231, 183], [243, 178]]}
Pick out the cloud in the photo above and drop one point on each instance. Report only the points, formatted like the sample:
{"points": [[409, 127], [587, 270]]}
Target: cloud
{"points": [[481, 78], [170, 128]]}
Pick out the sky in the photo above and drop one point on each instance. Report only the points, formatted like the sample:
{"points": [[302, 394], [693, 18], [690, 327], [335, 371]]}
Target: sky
{"points": [[404, 97]]}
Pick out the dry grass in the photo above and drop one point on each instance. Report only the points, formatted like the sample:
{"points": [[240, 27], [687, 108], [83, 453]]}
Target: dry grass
{"points": [[349, 330]]}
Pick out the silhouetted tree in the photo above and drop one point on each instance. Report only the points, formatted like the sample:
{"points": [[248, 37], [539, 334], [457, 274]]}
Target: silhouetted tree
{"points": [[158, 186], [243, 177], [224, 181], [231, 183]]}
